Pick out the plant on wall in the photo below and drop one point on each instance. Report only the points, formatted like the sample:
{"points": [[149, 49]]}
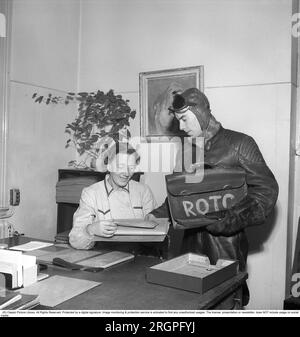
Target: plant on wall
{"points": [[102, 119]]}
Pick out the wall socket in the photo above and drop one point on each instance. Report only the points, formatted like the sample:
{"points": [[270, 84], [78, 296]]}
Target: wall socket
{"points": [[14, 197]]}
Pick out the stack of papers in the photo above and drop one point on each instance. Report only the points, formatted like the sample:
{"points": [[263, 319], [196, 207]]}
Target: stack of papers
{"points": [[32, 245], [69, 189]]}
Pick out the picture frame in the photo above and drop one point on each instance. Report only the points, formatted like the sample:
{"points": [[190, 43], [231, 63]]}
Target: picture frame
{"points": [[156, 90]]}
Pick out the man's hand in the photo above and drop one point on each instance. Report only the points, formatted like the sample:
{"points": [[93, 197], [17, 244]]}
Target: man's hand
{"points": [[227, 224], [220, 226], [104, 228], [231, 221]]}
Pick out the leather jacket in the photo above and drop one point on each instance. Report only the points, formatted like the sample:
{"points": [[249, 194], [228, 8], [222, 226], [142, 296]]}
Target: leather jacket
{"points": [[226, 238]]}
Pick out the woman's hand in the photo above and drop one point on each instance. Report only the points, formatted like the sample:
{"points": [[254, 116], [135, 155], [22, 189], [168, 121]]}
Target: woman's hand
{"points": [[104, 228], [150, 217]]}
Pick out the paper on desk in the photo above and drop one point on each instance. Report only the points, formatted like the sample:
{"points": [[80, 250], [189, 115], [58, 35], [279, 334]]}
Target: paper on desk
{"points": [[137, 234], [46, 251], [32, 245], [58, 289]]}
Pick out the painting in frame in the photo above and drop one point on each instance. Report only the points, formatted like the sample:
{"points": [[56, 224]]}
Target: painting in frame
{"points": [[156, 95]]}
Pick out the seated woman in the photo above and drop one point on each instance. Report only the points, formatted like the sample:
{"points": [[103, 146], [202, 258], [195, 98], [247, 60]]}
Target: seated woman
{"points": [[116, 197]]}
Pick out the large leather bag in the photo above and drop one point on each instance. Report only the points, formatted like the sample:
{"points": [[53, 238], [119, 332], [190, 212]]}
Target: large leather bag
{"points": [[189, 203]]}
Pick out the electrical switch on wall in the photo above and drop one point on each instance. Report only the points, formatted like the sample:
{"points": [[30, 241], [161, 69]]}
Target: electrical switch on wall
{"points": [[14, 197]]}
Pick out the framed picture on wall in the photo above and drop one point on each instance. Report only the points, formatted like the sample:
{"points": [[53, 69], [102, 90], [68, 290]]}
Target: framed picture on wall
{"points": [[156, 96]]}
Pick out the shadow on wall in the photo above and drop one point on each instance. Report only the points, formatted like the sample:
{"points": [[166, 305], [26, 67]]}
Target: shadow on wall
{"points": [[258, 235]]}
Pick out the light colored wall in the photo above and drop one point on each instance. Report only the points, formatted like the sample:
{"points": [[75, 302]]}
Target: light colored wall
{"points": [[245, 47], [44, 55]]}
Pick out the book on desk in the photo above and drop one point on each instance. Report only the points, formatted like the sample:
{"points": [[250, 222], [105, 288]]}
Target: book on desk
{"points": [[130, 230], [86, 258], [138, 230]]}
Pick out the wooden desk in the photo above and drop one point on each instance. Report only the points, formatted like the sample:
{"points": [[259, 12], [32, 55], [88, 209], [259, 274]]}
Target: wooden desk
{"points": [[124, 287]]}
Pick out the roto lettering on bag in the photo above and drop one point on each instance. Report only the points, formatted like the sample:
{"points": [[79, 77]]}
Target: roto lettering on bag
{"points": [[203, 206]]}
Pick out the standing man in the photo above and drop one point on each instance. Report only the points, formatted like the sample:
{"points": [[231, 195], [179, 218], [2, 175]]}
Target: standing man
{"points": [[116, 197], [225, 238]]}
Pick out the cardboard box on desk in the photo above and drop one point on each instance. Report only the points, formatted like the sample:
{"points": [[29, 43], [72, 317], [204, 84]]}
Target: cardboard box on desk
{"points": [[192, 272]]}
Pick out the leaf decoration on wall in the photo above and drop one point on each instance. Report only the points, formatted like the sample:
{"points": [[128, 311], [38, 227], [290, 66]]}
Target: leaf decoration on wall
{"points": [[99, 116]]}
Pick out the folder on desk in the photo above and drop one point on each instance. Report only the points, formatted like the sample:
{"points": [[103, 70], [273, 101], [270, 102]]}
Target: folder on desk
{"points": [[107, 260], [160, 229], [139, 234], [135, 223], [68, 254]]}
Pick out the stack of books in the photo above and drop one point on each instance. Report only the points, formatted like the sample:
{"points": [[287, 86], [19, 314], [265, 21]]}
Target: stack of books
{"points": [[62, 237], [69, 190], [11, 300]]}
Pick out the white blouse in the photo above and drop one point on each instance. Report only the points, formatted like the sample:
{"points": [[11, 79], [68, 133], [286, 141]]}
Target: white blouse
{"points": [[101, 202]]}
